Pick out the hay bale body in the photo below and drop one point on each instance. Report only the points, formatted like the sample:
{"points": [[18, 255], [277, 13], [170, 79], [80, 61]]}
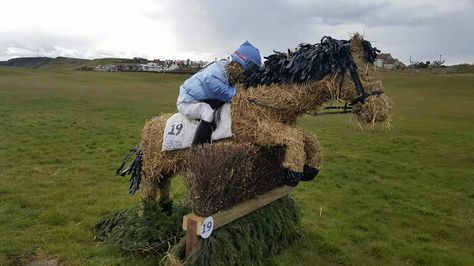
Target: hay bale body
{"points": [[251, 124], [223, 175]]}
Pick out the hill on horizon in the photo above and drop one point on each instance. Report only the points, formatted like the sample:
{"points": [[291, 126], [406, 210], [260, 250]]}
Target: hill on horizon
{"points": [[69, 63], [59, 62]]}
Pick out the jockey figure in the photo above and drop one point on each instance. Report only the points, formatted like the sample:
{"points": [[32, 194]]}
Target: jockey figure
{"points": [[206, 91]]}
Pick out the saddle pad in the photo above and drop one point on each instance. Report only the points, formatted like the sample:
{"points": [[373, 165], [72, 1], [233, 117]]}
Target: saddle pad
{"points": [[179, 130]]}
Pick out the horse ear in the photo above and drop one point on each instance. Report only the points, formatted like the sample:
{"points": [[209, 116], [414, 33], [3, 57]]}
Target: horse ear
{"points": [[357, 49]]}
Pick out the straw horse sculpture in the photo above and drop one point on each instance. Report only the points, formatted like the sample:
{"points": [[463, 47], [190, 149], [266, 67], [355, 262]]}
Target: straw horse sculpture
{"points": [[266, 114]]}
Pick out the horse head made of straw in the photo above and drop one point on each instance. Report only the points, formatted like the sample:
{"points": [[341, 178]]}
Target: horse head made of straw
{"points": [[371, 105], [327, 72], [265, 113]]}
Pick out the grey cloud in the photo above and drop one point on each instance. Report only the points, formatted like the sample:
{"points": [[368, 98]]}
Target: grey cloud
{"points": [[375, 12], [424, 29], [41, 43], [334, 12]]}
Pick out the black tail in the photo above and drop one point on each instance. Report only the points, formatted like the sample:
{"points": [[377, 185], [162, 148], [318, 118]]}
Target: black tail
{"points": [[134, 169]]}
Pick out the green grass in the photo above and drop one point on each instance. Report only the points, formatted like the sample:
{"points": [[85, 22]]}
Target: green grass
{"points": [[65, 63], [403, 196]]}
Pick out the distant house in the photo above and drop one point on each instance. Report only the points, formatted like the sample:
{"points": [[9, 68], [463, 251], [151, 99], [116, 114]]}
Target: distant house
{"points": [[172, 66], [388, 62], [181, 66], [107, 68], [151, 67], [196, 65]]}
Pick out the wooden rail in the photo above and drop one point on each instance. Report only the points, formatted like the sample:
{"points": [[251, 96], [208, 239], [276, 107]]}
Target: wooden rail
{"points": [[192, 223]]}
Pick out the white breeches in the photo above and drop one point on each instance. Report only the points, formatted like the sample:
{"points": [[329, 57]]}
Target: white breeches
{"points": [[197, 110]]}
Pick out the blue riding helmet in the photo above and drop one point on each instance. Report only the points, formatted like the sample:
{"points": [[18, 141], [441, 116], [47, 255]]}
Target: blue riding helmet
{"points": [[248, 56]]}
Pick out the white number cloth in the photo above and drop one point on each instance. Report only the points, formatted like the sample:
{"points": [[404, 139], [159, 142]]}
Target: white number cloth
{"points": [[179, 130]]}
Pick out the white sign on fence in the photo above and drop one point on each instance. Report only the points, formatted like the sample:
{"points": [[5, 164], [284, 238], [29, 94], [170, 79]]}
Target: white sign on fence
{"points": [[207, 226]]}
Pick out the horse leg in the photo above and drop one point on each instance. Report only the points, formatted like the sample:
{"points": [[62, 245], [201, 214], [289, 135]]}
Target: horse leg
{"points": [[152, 186], [164, 187], [157, 166], [148, 187], [156, 185], [294, 154], [312, 150]]}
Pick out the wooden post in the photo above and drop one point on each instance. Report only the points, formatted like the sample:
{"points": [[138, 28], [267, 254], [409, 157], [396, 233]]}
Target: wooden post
{"points": [[191, 237]]}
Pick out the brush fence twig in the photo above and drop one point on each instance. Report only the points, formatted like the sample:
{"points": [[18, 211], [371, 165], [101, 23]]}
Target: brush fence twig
{"points": [[195, 225]]}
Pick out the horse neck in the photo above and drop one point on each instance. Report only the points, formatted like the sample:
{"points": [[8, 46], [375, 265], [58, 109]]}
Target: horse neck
{"points": [[316, 93], [285, 102]]}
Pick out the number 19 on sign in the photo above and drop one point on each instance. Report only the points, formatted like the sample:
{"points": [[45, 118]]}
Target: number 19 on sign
{"points": [[207, 226]]}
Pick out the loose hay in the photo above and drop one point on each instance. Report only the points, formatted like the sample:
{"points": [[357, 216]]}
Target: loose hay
{"points": [[375, 109]]}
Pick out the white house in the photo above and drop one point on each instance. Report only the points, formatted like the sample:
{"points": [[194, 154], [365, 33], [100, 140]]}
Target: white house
{"points": [[388, 62], [152, 67], [173, 66]]}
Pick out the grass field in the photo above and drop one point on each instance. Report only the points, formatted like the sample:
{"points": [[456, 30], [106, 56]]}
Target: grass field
{"points": [[403, 196]]}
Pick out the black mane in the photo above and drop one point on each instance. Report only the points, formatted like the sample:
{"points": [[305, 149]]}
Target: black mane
{"points": [[309, 62]]}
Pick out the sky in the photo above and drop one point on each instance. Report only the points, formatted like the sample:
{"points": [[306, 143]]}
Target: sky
{"points": [[205, 29]]}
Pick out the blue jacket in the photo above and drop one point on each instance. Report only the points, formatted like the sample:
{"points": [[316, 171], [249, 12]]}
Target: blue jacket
{"points": [[211, 82]]}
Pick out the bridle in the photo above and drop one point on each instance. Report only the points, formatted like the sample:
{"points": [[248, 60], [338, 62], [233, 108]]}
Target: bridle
{"points": [[362, 94]]}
